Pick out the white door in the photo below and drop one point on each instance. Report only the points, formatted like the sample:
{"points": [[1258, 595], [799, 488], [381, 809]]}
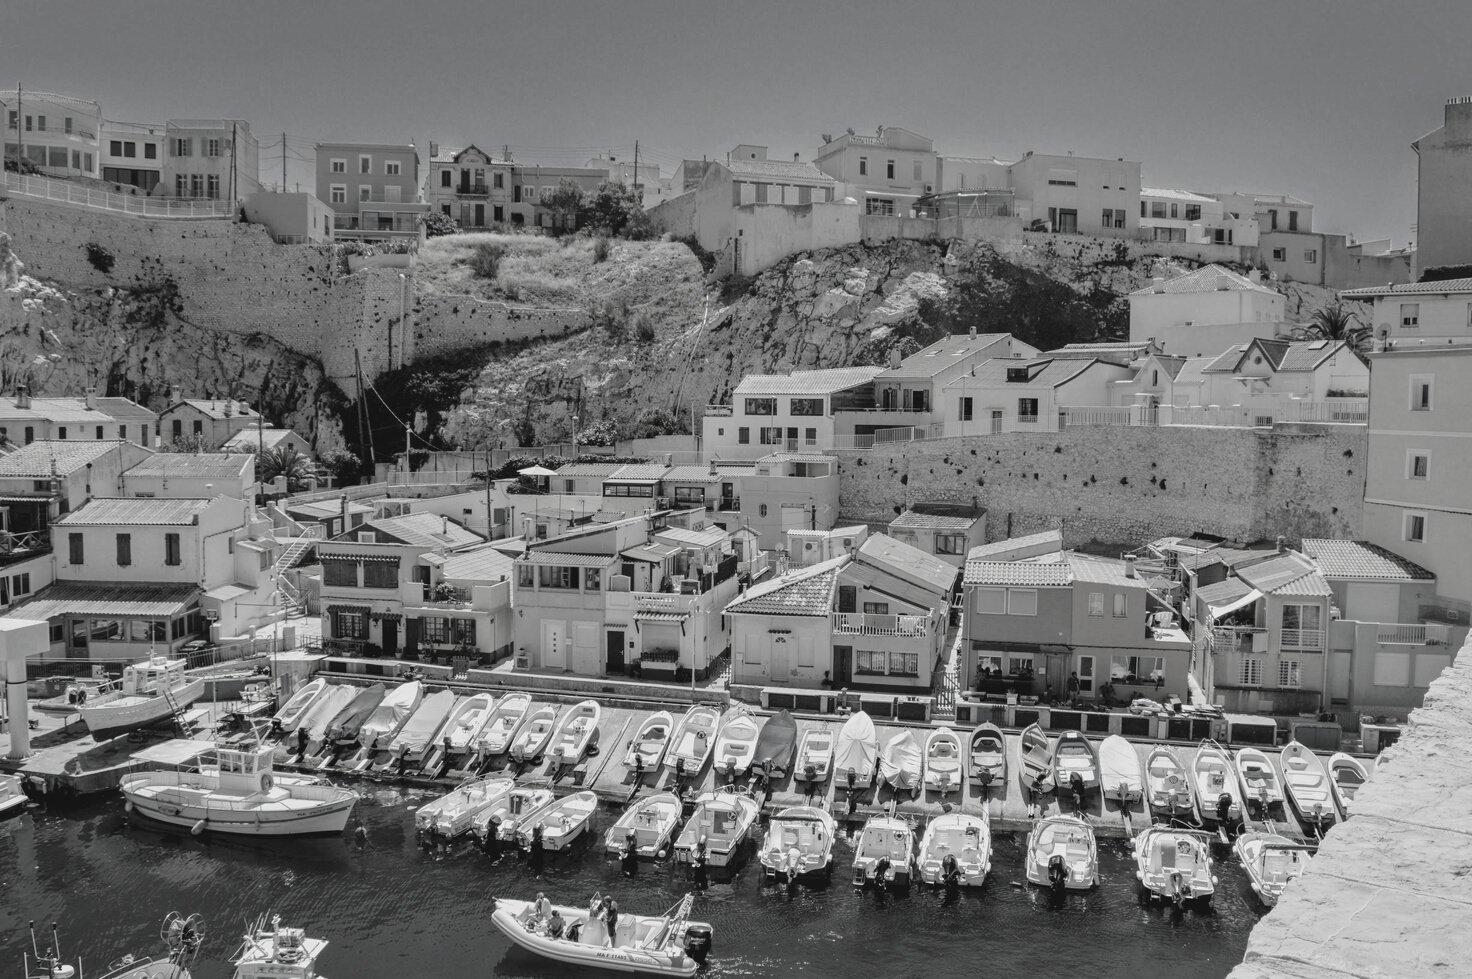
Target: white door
{"points": [[554, 645], [1339, 668], [782, 656]]}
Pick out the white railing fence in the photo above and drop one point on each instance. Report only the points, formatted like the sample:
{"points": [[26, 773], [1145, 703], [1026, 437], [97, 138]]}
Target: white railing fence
{"points": [[61, 191]]}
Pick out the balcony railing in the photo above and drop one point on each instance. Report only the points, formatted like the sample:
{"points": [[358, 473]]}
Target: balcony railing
{"points": [[1412, 634], [18, 547], [660, 602], [729, 504], [1240, 639], [1309, 639], [1342, 411], [1122, 417], [1027, 419], [472, 190], [867, 624], [718, 411], [63, 192]]}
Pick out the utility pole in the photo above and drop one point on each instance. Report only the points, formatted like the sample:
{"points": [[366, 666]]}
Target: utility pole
{"points": [[233, 184], [636, 172], [20, 124], [283, 162]]}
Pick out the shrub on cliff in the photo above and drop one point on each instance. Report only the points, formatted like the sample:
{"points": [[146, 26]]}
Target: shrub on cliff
{"points": [[609, 209]]}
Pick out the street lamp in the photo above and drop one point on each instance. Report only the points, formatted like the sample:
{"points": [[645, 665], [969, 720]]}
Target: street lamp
{"points": [[574, 436]]}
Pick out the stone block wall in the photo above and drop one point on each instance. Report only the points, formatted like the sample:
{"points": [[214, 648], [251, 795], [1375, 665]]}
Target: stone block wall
{"points": [[444, 323]]}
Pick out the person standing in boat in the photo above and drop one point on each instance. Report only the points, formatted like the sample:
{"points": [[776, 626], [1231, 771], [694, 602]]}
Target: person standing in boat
{"points": [[629, 861], [698, 858], [536, 853], [610, 920]]}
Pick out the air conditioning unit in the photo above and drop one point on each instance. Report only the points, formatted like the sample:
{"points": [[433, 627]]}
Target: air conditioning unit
{"points": [[523, 663], [929, 189]]}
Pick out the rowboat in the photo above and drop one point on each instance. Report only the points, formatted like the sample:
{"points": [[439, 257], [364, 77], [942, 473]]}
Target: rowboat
{"points": [[1037, 758], [814, 757], [1074, 762], [775, 746], [1168, 784], [942, 771], [1120, 778], [1217, 791], [694, 739], [988, 755], [799, 841], [883, 854], [1307, 786], [722, 820], [577, 730], [1346, 775], [857, 751], [659, 945], [958, 847], [1062, 854], [1271, 862], [562, 822], [502, 726], [1174, 864], [536, 734], [651, 820], [1257, 779], [647, 748], [900, 761], [736, 742]]}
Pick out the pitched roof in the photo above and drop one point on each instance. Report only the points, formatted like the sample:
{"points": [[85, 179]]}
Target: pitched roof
{"points": [[139, 512], [777, 168], [324, 508], [943, 353], [107, 598], [477, 564], [1102, 571], [690, 474], [1208, 278], [910, 520], [1045, 371], [124, 409], [200, 465], [1288, 574], [421, 530], [566, 559], [35, 461], [215, 409], [251, 439], [642, 473], [709, 537], [982, 552], [1190, 372], [597, 470], [1361, 559], [909, 562], [807, 382], [1025, 573], [62, 410], [806, 591], [1175, 195], [1285, 356], [1445, 287], [1225, 592]]}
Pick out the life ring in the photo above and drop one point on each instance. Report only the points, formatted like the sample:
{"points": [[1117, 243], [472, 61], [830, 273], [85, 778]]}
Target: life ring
{"points": [[1172, 780], [267, 782]]}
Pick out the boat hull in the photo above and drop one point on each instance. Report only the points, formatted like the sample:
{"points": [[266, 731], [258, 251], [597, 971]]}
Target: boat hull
{"points": [[105, 721], [327, 819], [666, 961]]}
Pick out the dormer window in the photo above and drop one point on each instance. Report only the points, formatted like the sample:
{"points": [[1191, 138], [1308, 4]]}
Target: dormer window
{"points": [[1017, 374]]}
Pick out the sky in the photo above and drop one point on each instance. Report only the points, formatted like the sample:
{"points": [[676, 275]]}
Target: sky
{"points": [[1316, 98]]}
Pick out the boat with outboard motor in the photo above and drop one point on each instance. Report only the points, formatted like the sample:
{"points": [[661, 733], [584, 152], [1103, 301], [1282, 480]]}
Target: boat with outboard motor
{"points": [[1074, 763], [1120, 778], [942, 764], [536, 734], [1258, 780], [857, 751], [453, 813], [391, 714], [13, 796], [661, 945], [1271, 862], [151, 691], [576, 732], [1174, 864], [814, 757], [408, 747], [651, 820], [1217, 791], [295, 709], [350, 720], [988, 755], [503, 725], [799, 841], [1347, 774], [775, 746], [272, 951], [722, 820], [955, 848], [693, 740], [1062, 854], [1168, 784], [900, 761], [649, 744], [735, 742], [1037, 759], [182, 936], [561, 823], [516, 807], [464, 723], [883, 854], [1307, 786]]}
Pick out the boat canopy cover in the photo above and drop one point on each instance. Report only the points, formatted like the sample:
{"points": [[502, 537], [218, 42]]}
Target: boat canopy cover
{"points": [[1119, 764], [392, 712], [775, 742], [325, 708], [858, 746], [351, 717], [426, 720], [901, 754]]}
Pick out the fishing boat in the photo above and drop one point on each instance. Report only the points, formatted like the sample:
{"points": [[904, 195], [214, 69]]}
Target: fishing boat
{"points": [[271, 951], [988, 755], [13, 796], [464, 723], [736, 742], [536, 734], [1271, 862], [243, 799], [955, 844], [1037, 759], [1120, 777], [1168, 784], [418, 732], [775, 746], [814, 757], [857, 751], [900, 761], [660, 945], [1062, 854], [1174, 864], [1074, 762], [722, 820], [451, 814], [1257, 779], [295, 709], [882, 855], [153, 690], [694, 739], [1307, 786], [76, 693], [515, 808], [503, 725], [562, 822], [652, 821], [577, 730], [942, 771], [1217, 792], [1346, 774], [647, 748], [799, 842]]}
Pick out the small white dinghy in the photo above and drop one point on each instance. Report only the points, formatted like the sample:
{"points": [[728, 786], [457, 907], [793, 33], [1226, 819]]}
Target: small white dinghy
{"points": [[694, 739], [814, 757], [465, 721], [1271, 862], [647, 748], [736, 742], [503, 725], [1074, 762], [942, 761], [1257, 779], [1037, 760], [857, 751], [535, 735], [1120, 778], [1307, 786], [958, 847], [1346, 774], [799, 842], [295, 709], [1174, 864], [1217, 791], [1168, 784], [901, 760], [515, 808], [12, 794], [562, 822], [722, 819], [577, 730], [658, 945], [1062, 854], [988, 755], [883, 855], [652, 821], [452, 814]]}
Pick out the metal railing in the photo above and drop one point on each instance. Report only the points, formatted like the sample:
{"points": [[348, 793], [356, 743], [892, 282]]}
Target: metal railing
{"points": [[1027, 419], [718, 411], [1122, 417], [472, 190], [1412, 634], [869, 624], [1309, 639], [59, 191], [1343, 411]]}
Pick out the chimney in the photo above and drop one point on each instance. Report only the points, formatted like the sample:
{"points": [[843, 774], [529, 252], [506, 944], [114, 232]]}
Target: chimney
{"points": [[1255, 276], [245, 407], [1281, 547], [972, 332], [796, 157], [894, 357], [176, 394], [1129, 565], [22, 396], [444, 524], [434, 149], [344, 500], [229, 407], [91, 398], [1157, 284]]}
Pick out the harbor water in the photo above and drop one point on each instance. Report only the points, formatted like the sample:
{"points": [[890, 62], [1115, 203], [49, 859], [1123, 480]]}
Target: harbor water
{"points": [[392, 909]]}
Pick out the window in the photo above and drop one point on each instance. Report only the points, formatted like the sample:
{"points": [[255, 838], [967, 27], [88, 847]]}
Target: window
{"points": [[150, 151], [743, 436], [552, 577], [115, 147], [805, 406], [365, 192], [446, 179], [1136, 669], [1027, 410], [381, 574], [365, 164], [863, 166], [690, 494], [1019, 663], [338, 166], [1310, 255], [593, 579], [125, 550], [966, 409], [761, 192], [496, 181], [1121, 606], [770, 436], [761, 406], [1416, 527], [212, 187], [889, 170], [876, 608], [762, 510], [184, 146], [1251, 673], [869, 661], [918, 173], [391, 168], [338, 194], [525, 576], [462, 631], [1392, 669], [1290, 675], [74, 548], [991, 601], [626, 489], [41, 123], [61, 432], [1096, 603], [1144, 209], [1193, 212], [950, 543], [1272, 219], [339, 573], [1022, 601], [904, 664], [986, 659], [810, 435], [1421, 392], [1280, 254], [199, 428], [1410, 316], [1175, 211], [1292, 220], [196, 185], [882, 206], [212, 147], [349, 625], [1418, 465], [435, 629], [1066, 182], [20, 584]]}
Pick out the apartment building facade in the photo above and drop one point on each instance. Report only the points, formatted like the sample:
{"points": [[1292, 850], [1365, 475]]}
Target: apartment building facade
{"points": [[215, 159], [1444, 189], [57, 133], [372, 188], [132, 154], [886, 173], [470, 187], [1077, 195]]}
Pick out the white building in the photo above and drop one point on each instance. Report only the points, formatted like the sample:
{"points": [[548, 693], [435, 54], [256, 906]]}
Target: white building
{"points": [[785, 412], [1205, 312]]}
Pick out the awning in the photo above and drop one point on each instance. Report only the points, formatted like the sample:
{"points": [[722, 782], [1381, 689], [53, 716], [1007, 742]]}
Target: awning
{"points": [[107, 600], [1231, 605], [651, 553], [25, 499], [670, 617], [227, 592], [536, 471]]}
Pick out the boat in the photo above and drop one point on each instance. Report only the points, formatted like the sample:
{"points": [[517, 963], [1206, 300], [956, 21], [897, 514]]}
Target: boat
{"points": [[243, 799], [1120, 777], [900, 761], [857, 751], [318, 717], [1074, 762], [694, 739], [562, 822], [942, 771], [814, 757], [153, 690], [271, 951], [536, 734], [397, 706], [648, 746], [1037, 759], [652, 820], [955, 843], [1271, 862], [799, 842], [660, 945], [465, 721], [775, 746], [1217, 792], [77, 692], [1257, 779], [515, 808], [1174, 864], [418, 732], [291, 713], [502, 726], [884, 846], [1307, 786], [13, 796], [735, 742], [577, 730], [722, 819], [988, 755], [183, 937], [452, 814], [1062, 854], [1168, 784], [1346, 774], [349, 720]]}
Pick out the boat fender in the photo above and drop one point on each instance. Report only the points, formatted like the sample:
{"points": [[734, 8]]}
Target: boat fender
{"points": [[197, 828], [267, 782], [128, 806]]}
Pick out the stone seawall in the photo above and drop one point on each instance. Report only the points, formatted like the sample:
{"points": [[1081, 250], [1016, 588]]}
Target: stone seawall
{"points": [[1389, 895], [1121, 485]]}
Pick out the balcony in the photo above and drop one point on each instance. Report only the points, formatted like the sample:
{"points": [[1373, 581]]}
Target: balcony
{"points": [[1336, 411], [647, 601], [1239, 639], [1411, 634], [472, 190], [718, 411], [19, 547], [866, 624], [1027, 419], [1310, 640], [729, 504]]}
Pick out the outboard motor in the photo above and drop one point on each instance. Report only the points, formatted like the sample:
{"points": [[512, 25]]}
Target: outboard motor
{"points": [[950, 873], [679, 770], [881, 873], [698, 942], [1224, 809], [1057, 873], [1076, 784]]}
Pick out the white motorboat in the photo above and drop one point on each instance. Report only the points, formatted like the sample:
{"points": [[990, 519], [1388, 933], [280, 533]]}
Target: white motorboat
{"points": [[1062, 854], [1271, 862], [243, 799], [503, 725], [883, 853], [562, 822], [465, 721], [955, 844], [1174, 864], [942, 761], [1037, 760], [391, 714], [722, 820], [295, 709], [1217, 792], [151, 691], [857, 752], [1258, 780], [694, 739], [418, 732], [1168, 784], [518, 805], [451, 814], [577, 730], [988, 755], [1074, 762], [535, 735], [900, 761], [1307, 786], [651, 820], [1346, 774], [271, 951], [659, 945], [13, 797], [736, 742], [1120, 778], [182, 935], [647, 748], [799, 841], [814, 757]]}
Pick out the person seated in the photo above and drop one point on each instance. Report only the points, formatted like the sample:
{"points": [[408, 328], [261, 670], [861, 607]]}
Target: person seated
{"points": [[555, 925]]}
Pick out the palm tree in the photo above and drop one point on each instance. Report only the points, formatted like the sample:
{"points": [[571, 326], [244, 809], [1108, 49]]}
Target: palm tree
{"points": [[286, 461], [1336, 322]]}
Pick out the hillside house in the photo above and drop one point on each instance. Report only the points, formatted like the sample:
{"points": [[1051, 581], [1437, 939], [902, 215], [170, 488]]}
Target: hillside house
{"points": [[1205, 311], [1027, 395], [785, 412]]}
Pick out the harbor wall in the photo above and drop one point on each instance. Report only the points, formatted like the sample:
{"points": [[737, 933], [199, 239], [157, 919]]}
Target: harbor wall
{"points": [[1389, 893]]}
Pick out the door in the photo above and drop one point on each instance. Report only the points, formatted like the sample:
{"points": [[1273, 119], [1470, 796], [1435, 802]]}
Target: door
{"points": [[390, 637], [480, 215], [782, 657], [411, 637], [615, 663], [843, 665], [1057, 673], [554, 645], [846, 599], [1085, 676], [1067, 221], [1339, 672], [728, 491], [996, 422]]}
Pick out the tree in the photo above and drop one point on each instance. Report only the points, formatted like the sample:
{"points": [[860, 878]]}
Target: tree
{"points": [[437, 223], [565, 203], [286, 461], [191, 444], [608, 210], [1336, 322]]}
